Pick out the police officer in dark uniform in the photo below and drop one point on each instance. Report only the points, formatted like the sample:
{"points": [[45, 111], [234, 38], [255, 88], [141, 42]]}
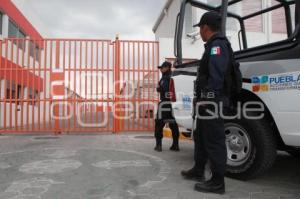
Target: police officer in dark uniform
{"points": [[211, 96], [164, 112]]}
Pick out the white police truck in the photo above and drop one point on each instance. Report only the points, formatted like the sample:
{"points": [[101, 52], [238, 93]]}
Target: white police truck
{"points": [[271, 82]]}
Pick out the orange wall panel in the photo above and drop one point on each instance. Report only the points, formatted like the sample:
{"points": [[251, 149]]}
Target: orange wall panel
{"points": [[22, 76]]}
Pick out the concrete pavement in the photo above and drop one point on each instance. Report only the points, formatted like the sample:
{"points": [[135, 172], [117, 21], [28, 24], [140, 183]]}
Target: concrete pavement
{"points": [[120, 166]]}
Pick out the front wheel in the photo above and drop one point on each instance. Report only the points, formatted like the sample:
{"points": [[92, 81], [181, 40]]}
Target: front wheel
{"points": [[251, 148]]}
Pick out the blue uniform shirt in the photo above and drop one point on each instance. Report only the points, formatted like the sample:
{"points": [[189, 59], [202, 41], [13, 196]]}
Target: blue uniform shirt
{"points": [[218, 52], [164, 84]]}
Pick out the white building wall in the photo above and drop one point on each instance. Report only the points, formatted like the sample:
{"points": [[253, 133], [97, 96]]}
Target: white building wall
{"points": [[167, 25], [190, 51], [1, 104], [14, 113], [29, 111], [166, 31], [5, 26]]}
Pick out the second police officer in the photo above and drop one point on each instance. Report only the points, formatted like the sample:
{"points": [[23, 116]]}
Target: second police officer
{"points": [[164, 114]]}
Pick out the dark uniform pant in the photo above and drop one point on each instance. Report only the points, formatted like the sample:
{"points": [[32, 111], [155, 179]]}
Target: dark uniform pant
{"points": [[165, 115], [209, 138]]}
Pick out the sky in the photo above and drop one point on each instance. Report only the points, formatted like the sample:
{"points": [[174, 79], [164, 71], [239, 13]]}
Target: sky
{"points": [[97, 19]]}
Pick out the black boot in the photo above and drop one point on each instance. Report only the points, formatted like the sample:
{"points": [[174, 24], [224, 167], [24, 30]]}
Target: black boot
{"points": [[215, 185], [193, 174], [175, 146], [158, 145]]}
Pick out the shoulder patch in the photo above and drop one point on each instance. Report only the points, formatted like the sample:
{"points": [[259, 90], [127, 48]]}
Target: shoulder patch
{"points": [[216, 50]]}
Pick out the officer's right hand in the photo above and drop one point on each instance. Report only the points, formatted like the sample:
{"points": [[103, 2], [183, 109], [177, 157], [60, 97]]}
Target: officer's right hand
{"points": [[158, 87], [195, 101]]}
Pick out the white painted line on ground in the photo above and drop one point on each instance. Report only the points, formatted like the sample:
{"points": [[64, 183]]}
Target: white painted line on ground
{"points": [[108, 164], [50, 166], [29, 188], [4, 165]]}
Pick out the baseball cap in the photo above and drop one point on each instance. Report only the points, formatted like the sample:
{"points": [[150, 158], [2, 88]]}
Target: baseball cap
{"points": [[210, 18], [165, 64]]}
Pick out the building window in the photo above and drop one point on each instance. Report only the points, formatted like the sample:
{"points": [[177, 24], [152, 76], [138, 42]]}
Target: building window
{"points": [[33, 97], [254, 24], [10, 94], [21, 43], [13, 92], [34, 51], [12, 30], [1, 22], [278, 20], [15, 32]]}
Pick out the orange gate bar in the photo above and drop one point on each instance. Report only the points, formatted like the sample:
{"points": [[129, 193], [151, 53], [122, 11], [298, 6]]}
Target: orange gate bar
{"points": [[68, 85]]}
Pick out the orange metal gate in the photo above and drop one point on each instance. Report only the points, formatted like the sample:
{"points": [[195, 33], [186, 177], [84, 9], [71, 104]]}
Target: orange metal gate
{"points": [[66, 85]]}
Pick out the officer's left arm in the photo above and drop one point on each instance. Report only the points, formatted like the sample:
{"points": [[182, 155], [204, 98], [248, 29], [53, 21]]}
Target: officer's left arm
{"points": [[165, 85], [158, 89], [218, 62]]}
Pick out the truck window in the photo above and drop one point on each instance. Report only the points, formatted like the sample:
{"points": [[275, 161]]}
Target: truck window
{"points": [[192, 47], [260, 30], [192, 44], [233, 33], [250, 23]]}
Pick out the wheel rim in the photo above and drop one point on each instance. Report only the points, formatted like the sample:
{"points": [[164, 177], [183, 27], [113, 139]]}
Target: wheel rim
{"points": [[238, 145]]}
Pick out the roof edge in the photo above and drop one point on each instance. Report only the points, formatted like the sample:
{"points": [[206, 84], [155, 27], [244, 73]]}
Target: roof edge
{"points": [[162, 14], [13, 12]]}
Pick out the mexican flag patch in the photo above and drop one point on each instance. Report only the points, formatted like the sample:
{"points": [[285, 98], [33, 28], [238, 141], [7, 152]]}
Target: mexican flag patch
{"points": [[215, 51]]}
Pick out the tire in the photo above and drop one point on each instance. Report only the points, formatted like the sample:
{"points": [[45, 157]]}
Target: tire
{"points": [[251, 148]]}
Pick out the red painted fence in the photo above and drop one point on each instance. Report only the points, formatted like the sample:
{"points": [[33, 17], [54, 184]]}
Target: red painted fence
{"points": [[67, 85]]}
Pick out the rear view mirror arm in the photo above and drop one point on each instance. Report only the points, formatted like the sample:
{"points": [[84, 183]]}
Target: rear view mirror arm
{"points": [[176, 36], [239, 37], [244, 36], [224, 16], [178, 40], [288, 20]]}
